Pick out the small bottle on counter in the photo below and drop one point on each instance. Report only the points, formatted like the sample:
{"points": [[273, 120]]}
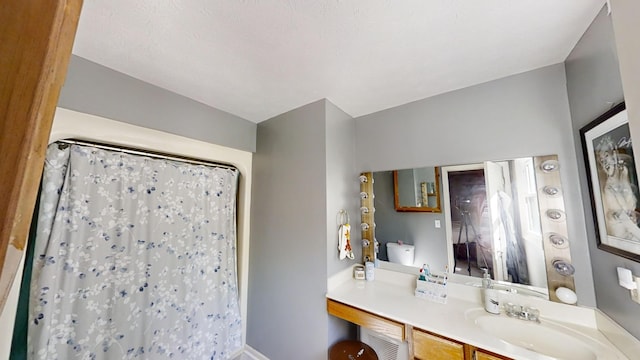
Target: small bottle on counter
{"points": [[369, 270]]}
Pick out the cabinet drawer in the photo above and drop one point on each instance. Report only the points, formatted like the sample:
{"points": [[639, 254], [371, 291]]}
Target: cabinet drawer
{"points": [[427, 346], [390, 328]]}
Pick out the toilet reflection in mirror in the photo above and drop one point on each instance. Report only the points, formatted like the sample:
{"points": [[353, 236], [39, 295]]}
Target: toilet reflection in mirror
{"points": [[400, 253]]}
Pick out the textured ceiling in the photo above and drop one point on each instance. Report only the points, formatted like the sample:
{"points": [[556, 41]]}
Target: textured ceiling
{"points": [[260, 58]]}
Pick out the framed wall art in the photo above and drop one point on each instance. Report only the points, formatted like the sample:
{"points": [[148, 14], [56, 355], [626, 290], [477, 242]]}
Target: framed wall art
{"points": [[613, 182]]}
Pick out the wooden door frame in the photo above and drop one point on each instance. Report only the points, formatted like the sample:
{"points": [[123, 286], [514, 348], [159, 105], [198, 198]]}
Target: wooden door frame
{"points": [[36, 38]]}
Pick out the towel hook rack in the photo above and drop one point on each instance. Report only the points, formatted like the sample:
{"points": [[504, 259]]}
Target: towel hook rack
{"points": [[342, 218]]}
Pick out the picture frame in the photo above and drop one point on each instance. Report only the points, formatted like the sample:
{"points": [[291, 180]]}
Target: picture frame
{"points": [[613, 182]]}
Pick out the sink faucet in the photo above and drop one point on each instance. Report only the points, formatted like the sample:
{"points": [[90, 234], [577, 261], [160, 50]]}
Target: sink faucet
{"points": [[522, 312]]}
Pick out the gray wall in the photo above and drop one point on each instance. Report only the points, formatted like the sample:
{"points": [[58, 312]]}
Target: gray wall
{"points": [[521, 115], [593, 85], [289, 221], [94, 89], [342, 189], [342, 184]]}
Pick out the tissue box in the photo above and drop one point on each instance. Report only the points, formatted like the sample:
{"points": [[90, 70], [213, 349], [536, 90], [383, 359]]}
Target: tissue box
{"points": [[433, 288]]}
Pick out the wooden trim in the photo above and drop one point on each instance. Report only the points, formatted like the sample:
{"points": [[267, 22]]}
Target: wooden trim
{"points": [[548, 226], [379, 324], [368, 252], [408, 329], [469, 352], [36, 38]]}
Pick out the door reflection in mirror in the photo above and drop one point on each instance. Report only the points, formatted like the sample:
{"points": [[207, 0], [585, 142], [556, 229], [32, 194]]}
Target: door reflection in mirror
{"points": [[493, 221]]}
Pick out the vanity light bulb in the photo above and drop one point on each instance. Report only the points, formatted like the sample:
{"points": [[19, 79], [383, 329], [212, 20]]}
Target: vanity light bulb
{"points": [[364, 210], [549, 166], [566, 295], [558, 241], [364, 195], [364, 226], [563, 267], [551, 190], [555, 214], [363, 179]]}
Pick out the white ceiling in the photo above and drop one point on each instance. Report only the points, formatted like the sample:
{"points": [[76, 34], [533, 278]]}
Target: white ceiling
{"points": [[260, 58]]}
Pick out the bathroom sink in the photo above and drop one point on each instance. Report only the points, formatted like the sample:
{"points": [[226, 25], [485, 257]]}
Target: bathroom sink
{"points": [[551, 339]]}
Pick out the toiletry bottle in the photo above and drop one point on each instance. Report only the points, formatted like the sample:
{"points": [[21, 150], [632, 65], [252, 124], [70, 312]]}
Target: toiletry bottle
{"points": [[490, 295], [424, 272], [368, 271]]}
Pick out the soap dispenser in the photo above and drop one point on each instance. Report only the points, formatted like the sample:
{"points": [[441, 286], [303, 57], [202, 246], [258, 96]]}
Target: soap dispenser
{"points": [[490, 295], [486, 279]]}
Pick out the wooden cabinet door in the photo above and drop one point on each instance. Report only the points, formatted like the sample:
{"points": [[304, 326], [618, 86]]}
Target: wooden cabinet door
{"points": [[427, 346], [485, 355]]}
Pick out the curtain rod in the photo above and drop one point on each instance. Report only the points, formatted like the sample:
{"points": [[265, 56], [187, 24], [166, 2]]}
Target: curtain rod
{"points": [[147, 153]]}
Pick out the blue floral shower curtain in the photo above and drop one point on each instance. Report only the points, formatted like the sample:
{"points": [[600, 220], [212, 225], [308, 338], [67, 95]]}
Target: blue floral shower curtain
{"points": [[135, 257]]}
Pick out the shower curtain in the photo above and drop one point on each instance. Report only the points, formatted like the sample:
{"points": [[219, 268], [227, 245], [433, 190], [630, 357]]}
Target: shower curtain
{"points": [[135, 257]]}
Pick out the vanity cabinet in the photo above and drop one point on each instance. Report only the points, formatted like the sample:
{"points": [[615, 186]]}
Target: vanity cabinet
{"points": [[424, 345]]}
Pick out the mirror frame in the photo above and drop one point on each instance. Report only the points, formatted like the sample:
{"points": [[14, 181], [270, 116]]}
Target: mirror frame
{"points": [[436, 194]]}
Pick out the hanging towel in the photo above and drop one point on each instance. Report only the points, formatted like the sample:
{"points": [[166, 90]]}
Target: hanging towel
{"points": [[344, 242]]}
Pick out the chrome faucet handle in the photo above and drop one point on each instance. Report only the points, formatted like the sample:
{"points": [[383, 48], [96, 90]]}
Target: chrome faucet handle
{"points": [[522, 312], [512, 310], [534, 314], [530, 313]]}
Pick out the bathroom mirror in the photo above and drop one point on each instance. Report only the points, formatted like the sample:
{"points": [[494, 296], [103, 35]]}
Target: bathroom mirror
{"points": [[498, 215], [417, 190]]}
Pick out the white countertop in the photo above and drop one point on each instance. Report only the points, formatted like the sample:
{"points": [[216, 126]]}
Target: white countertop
{"points": [[391, 295]]}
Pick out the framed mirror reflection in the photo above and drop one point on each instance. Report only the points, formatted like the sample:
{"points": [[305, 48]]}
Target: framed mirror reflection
{"points": [[417, 190]]}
